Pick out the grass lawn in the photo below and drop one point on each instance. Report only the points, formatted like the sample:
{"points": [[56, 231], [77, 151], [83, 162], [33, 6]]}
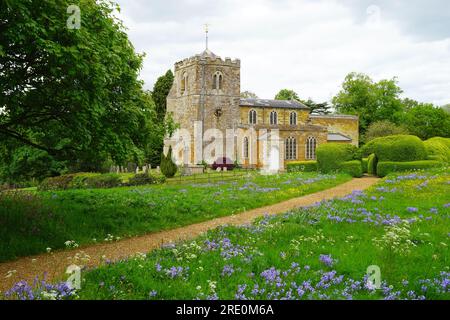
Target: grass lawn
{"points": [[32, 221], [401, 225]]}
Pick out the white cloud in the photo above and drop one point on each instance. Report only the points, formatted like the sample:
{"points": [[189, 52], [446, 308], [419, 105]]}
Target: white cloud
{"points": [[308, 46]]}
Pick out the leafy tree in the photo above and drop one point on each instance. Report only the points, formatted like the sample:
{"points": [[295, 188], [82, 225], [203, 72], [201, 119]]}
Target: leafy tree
{"points": [[73, 94], [427, 121], [383, 128], [248, 94], [160, 91], [287, 94], [371, 101], [318, 108], [446, 108], [168, 167]]}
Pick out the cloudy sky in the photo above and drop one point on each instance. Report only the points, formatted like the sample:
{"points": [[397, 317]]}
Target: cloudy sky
{"points": [[306, 45]]}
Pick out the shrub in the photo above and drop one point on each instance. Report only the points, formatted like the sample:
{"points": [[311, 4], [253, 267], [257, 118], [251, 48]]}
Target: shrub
{"points": [[383, 128], [353, 168], [365, 165], [302, 166], [372, 163], [167, 166], [331, 155], [56, 183], [396, 148], [438, 149], [145, 178], [108, 180], [386, 167], [79, 180]]}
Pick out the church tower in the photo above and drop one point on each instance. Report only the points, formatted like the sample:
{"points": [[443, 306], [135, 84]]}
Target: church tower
{"points": [[206, 89]]}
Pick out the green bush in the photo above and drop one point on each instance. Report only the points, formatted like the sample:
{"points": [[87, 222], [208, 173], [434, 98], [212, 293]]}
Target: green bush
{"points": [[167, 166], [56, 183], [386, 167], [365, 165], [372, 163], [302, 166], [145, 178], [331, 155], [108, 180], [353, 168], [396, 148], [79, 180], [438, 149]]}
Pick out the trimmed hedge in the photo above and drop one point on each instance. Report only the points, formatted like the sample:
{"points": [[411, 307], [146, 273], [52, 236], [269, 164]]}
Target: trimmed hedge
{"points": [[167, 166], [302, 166], [145, 178], [438, 149], [353, 168], [386, 167], [108, 180], [365, 165], [399, 148], [56, 183], [331, 155], [372, 163]]}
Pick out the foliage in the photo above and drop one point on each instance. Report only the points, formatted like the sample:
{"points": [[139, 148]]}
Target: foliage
{"points": [[287, 94], [365, 165], [353, 168], [302, 166], [396, 148], [331, 155], [372, 163], [160, 92], [107, 180], [383, 128], [427, 121], [371, 101], [317, 108], [386, 167], [48, 219], [168, 167], [248, 94], [56, 183], [73, 94], [145, 178], [439, 148]]}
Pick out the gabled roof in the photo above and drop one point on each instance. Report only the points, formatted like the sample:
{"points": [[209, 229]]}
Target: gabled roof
{"points": [[338, 137], [288, 104]]}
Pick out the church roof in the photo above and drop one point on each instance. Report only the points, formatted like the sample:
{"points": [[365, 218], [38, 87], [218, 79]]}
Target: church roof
{"points": [[288, 104], [338, 137], [208, 54]]}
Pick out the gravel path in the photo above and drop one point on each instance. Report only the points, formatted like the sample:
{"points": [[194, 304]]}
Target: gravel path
{"points": [[55, 264]]}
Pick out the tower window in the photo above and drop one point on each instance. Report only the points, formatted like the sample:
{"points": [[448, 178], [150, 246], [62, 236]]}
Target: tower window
{"points": [[311, 145], [217, 80], [291, 148], [184, 83], [245, 147], [252, 117], [293, 119], [273, 118]]}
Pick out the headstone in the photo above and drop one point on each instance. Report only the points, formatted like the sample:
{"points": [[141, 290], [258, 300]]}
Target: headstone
{"points": [[225, 169], [117, 169], [137, 170], [218, 169], [158, 169]]}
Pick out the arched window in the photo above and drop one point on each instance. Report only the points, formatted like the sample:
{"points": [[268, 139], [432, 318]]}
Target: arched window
{"points": [[184, 83], [291, 149], [311, 145], [252, 117], [293, 119], [245, 147], [273, 118], [217, 80]]}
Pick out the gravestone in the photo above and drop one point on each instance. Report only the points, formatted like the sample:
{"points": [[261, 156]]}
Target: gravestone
{"points": [[218, 169]]}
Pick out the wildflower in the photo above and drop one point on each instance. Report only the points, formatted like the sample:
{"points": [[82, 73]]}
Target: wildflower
{"points": [[153, 293], [327, 260], [412, 209]]}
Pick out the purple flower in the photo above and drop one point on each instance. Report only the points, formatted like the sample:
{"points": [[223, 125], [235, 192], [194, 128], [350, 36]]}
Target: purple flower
{"points": [[227, 270], [412, 209], [327, 260], [152, 293]]}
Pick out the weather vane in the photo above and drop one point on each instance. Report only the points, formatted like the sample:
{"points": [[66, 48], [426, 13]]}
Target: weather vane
{"points": [[206, 32]]}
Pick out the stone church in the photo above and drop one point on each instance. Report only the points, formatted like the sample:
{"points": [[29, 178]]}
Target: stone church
{"points": [[205, 97]]}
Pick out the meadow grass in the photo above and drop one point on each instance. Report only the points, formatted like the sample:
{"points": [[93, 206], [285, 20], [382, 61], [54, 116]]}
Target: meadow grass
{"points": [[30, 222], [401, 225]]}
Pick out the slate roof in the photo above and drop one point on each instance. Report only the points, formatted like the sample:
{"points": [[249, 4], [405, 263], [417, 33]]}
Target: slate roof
{"points": [[338, 137], [288, 104]]}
